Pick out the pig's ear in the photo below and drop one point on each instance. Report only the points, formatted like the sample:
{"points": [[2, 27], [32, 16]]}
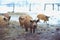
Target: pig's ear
{"points": [[5, 19], [9, 17], [37, 20], [31, 21]]}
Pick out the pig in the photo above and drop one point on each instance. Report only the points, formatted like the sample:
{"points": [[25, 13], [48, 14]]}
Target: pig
{"points": [[32, 25], [3, 21], [43, 17], [22, 19]]}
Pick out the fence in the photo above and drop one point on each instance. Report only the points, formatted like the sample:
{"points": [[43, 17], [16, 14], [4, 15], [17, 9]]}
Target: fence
{"points": [[25, 6]]}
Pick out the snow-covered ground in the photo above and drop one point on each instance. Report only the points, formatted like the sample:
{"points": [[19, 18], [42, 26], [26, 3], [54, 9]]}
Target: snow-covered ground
{"points": [[54, 17]]}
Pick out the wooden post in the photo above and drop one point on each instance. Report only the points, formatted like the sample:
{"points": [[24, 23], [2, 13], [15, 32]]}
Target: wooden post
{"points": [[53, 6], [13, 7], [30, 7], [58, 6], [44, 6]]}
